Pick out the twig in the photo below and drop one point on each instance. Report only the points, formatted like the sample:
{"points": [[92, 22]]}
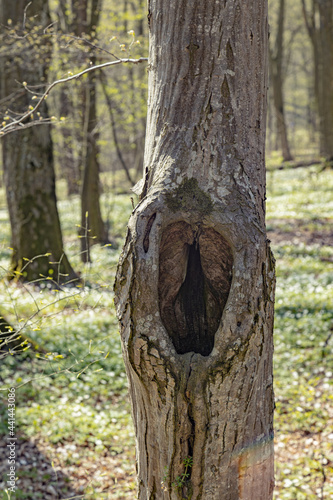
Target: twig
{"points": [[18, 124], [25, 14]]}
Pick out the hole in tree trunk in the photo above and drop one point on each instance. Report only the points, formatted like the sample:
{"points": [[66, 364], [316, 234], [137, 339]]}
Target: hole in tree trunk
{"points": [[195, 274]]}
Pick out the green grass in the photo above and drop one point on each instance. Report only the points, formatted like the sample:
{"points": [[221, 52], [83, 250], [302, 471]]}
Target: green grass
{"points": [[303, 333], [74, 396], [302, 193], [75, 393]]}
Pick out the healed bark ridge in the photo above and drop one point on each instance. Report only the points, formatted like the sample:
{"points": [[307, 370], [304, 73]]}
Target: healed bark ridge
{"points": [[194, 282]]}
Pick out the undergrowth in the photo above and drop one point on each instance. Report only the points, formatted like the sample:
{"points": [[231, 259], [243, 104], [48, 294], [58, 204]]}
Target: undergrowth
{"points": [[72, 395]]}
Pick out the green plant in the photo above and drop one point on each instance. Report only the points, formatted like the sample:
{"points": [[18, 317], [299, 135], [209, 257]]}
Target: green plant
{"points": [[181, 480]]}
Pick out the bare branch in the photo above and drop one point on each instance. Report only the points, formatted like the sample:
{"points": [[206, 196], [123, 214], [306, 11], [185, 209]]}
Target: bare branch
{"points": [[25, 14], [19, 123], [80, 39]]}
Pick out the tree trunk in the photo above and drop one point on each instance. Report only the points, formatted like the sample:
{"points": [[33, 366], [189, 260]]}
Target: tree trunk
{"points": [[276, 73], [69, 164], [80, 17], [195, 282], [325, 77], [109, 104], [83, 17], [319, 24], [28, 155], [93, 229], [71, 16]]}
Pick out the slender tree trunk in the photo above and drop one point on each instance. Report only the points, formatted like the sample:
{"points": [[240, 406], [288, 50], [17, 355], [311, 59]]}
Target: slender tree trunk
{"points": [[28, 154], [195, 282], [276, 73], [93, 229], [325, 78], [67, 147], [83, 19], [114, 128], [80, 21], [319, 23], [69, 162]]}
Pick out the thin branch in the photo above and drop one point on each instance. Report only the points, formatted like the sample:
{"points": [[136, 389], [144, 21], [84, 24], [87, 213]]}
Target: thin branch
{"points": [[25, 14], [18, 124], [84, 40]]}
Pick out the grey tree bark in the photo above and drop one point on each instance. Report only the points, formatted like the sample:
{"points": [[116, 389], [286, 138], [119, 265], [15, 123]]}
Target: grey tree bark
{"points": [[195, 282]]}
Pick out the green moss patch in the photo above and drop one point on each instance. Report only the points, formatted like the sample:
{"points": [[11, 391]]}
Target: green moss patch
{"points": [[188, 196]]}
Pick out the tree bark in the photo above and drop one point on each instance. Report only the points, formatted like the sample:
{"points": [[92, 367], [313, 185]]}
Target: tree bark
{"points": [[27, 154], [195, 282], [276, 73]]}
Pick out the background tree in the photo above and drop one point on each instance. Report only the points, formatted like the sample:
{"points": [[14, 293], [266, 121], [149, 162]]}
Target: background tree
{"points": [[195, 283], [28, 154], [68, 144], [80, 21], [92, 223], [299, 107], [276, 49], [319, 23], [126, 98]]}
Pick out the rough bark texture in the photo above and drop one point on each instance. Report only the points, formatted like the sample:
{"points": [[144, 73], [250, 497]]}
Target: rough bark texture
{"points": [[276, 74], [27, 154], [195, 282], [319, 24]]}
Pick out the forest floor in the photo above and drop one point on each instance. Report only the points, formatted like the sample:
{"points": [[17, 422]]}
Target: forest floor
{"points": [[74, 433]]}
